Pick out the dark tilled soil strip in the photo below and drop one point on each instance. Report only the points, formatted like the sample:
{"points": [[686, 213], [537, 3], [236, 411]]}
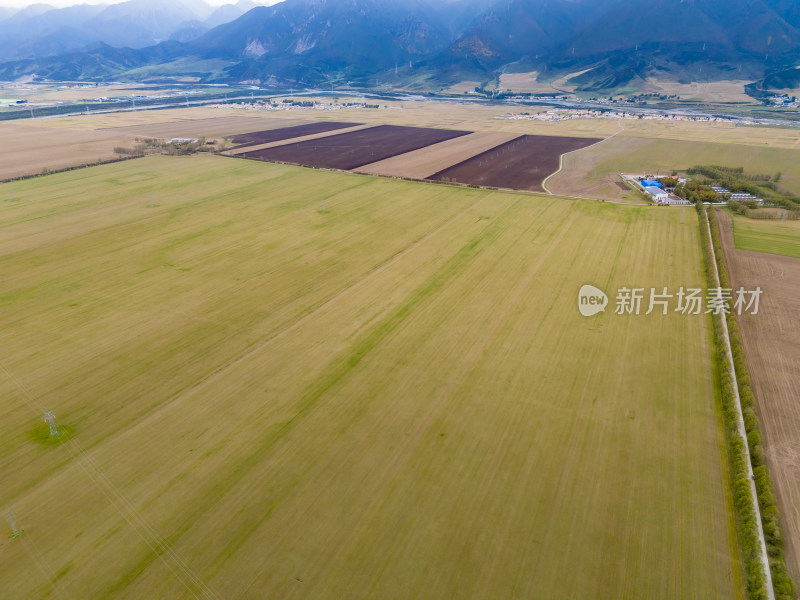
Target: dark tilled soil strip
{"points": [[287, 133], [357, 148], [520, 164]]}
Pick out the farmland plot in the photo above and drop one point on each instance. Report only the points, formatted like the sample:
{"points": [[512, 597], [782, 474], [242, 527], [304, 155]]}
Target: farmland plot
{"points": [[355, 149], [393, 397], [287, 133], [520, 164]]}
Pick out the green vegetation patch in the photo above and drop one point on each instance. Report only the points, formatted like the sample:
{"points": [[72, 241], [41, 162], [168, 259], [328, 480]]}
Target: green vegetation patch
{"points": [[772, 237], [41, 434]]}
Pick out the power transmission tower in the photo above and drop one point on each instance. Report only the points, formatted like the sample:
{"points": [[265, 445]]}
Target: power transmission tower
{"points": [[15, 531], [50, 419]]}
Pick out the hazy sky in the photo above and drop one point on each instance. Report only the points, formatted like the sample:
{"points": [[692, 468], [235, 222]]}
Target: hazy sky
{"points": [[63, 3]]}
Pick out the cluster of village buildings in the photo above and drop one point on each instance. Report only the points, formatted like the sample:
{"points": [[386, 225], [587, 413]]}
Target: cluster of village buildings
{"points": [[665, 196], [567, 114]]}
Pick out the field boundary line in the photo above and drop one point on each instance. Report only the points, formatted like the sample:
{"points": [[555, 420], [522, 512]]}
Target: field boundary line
{"points": [[740, 423], [452, 184], [561, 158]]}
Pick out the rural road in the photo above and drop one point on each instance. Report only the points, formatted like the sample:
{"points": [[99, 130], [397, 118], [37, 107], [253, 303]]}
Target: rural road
{"points": [[561, 158], [742, 430]]}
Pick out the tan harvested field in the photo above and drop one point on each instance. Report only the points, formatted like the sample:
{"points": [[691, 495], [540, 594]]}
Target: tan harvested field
{"points": [[714, 91], [27, 148], [30, 146], [295, 140], [58, 93], [582, 176], [462, 87], [391, 398], [772, 349], [424, 162], [526, 83], [209, 126]]}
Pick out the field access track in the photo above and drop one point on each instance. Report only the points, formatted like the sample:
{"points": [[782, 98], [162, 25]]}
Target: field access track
{"points": [[520, 164], [288, 133], [357, 148], [389, 398]]}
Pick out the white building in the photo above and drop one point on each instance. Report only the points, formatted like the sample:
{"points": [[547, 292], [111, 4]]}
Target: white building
{"points": [[657, 193], [676, 202], [742, 196]]}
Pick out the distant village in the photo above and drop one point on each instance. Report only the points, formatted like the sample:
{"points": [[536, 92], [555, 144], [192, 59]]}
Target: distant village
{"points": [[278, 105], [784, 100], [567, 114]]}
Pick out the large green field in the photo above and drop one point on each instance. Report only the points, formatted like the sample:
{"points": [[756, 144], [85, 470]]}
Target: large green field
{"points": [[395, 397], [767, 235]]}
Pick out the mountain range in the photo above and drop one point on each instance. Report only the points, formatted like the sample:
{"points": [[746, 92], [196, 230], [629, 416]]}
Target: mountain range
{"points": [[594, 45], [41, 30]]}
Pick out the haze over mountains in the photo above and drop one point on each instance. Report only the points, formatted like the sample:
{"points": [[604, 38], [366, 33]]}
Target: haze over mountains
{"points": [[600, 44], [41, 30]]}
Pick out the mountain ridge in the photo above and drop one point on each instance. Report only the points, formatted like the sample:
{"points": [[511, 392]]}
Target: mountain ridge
{"points": [[408, 43]]}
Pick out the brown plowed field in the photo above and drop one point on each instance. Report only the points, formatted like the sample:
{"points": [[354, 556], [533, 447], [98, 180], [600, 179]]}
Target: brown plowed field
{"points": [[287, 133], [772, 349], [355, 149], [520, 164], [314, 136], [427, 161]]}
